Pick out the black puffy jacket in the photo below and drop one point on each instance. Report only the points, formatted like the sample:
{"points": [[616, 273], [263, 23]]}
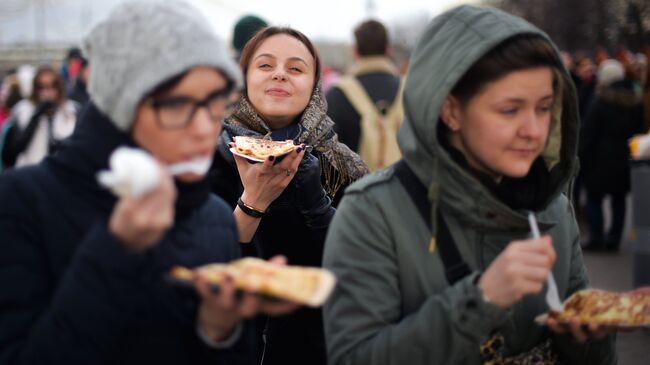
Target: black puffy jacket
{"points": [[615, 115], [71, 293], [295, 226]]}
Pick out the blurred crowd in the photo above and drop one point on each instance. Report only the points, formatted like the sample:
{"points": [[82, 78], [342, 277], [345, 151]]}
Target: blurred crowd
{"points": [[59, 89], [39, 107], [613, 99]]}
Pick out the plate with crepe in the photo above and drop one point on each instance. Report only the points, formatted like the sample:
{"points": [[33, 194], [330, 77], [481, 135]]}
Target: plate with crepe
{"points": [[259, 149], [605, 308]]}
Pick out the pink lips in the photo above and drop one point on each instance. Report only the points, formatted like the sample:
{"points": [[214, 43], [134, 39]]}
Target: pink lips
{"points": [[523, 151], [275, 91]]}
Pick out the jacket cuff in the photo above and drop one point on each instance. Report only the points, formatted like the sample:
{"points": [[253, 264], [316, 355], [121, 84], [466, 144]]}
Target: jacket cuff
{"points": [[106, 251], [475, 316], [220, 345]]}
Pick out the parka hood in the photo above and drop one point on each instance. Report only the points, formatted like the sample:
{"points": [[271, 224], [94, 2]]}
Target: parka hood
{"points": [[449, 46]]}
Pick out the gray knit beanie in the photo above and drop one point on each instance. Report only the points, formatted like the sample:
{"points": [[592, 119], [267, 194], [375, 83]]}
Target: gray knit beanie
{"points": [[610, 71], [143, 44]]}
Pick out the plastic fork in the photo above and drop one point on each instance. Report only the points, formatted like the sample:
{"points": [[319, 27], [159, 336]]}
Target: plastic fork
{"points": [[552, 295]]}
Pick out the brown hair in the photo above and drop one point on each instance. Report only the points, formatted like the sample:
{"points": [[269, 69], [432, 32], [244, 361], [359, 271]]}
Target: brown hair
{"points": [[58, 84], [14, 95], [371, 38], [262, 35], [517, 53], [579, 58]]}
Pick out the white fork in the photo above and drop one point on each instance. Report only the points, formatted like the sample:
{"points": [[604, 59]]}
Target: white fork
{"points": [[552, 295]]}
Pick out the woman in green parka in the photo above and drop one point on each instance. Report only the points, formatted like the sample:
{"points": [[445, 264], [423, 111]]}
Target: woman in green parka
{"points": [[489, 135]]}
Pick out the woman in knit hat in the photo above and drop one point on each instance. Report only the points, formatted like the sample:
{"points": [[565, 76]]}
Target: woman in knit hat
{"points": [[285, 207], [434, 257], [82, 270]]}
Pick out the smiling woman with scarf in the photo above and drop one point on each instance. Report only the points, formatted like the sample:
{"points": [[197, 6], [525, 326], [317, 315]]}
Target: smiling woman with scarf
{"points": [[285, 207]]}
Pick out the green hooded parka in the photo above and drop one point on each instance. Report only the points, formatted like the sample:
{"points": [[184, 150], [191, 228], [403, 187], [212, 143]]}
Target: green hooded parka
{"points": [[393, 304]]}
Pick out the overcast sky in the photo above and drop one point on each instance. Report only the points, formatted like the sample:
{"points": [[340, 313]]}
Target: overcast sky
{"points": [[67, 20], [319, 19]]}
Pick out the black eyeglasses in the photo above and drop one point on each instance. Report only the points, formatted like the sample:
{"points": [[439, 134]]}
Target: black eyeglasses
{"points": [[178, 112]]}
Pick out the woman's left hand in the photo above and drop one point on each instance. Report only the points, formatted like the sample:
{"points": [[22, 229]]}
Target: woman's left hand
{"points": [[308, 181], [581, 332], [219, 313], [314, 203]]}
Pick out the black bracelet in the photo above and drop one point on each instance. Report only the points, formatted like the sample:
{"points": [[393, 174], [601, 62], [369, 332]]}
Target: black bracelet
{"points": [[248, 210]]}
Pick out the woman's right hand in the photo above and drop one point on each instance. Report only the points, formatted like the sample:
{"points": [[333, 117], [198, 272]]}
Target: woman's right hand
{"points": [[219, 313], [46, 107], [521, 269], [140, 223], [264, 182]]}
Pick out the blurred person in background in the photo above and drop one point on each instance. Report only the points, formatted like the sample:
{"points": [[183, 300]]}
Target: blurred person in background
{"points": [[79, 92], [641, 69], [70, 67], [9, 96], [646, 88], [626, 58], [584, 78], [584, 70], [4, 91], [365, 105], [640, 76], [330, 77], [245, 28], [25, 75], [615, 115], [43, 121], [600, 55]]}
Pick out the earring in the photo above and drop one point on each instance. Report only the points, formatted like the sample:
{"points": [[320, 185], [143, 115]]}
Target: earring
{"points": [[449, 125]]}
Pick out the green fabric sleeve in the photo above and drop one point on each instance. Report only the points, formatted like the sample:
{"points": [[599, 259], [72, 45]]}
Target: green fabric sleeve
{"points": [[364, 319]]}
